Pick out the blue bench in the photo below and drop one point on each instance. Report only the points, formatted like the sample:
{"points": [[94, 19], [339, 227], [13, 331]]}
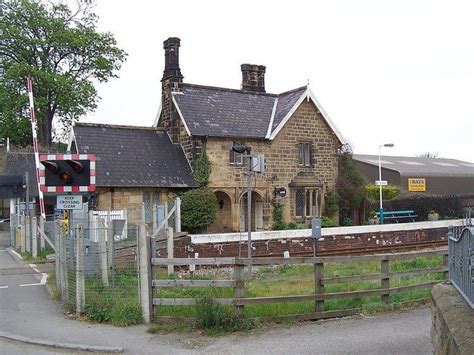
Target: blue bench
{"points": [[399, 216]]}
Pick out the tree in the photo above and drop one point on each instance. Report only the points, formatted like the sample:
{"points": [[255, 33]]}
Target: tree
{"points": [[203, 167], [63, 52], [350, 185]]}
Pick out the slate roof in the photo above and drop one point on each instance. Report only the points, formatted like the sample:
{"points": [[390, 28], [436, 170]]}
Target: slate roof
{"points": [[420, 166], [18, 163], [133, 156], [220, 112]]}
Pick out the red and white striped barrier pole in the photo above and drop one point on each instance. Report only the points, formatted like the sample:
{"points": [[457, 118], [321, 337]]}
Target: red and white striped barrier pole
{"points": [[35, 145]]}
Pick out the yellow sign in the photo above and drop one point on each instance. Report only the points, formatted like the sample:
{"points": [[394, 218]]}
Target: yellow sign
{"points": [[416, 184]]}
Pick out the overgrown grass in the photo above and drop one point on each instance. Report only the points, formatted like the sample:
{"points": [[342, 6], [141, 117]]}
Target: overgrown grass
{"points": [[117, 305], [40, 259], [299, 280]]}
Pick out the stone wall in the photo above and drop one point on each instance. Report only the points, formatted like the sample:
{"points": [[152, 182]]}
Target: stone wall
{"points": [[452, 329], [130, 199]]}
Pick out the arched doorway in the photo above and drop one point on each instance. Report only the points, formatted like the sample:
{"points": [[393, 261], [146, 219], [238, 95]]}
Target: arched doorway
{"points": [[223, 223], [257, 212]]}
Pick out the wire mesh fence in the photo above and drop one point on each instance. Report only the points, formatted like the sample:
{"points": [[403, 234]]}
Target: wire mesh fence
{"points": [[99, 278]]}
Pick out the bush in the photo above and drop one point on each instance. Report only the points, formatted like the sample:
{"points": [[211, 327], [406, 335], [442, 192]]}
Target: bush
{"points": [[198, 209], [277, 216], [388, 192], [328, 222], [292, 225], [218, 318], [347, 222]]}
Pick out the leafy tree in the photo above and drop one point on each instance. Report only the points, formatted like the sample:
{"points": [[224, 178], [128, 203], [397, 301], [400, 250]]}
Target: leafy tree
{"points": [[63, 52], [198, 209]]}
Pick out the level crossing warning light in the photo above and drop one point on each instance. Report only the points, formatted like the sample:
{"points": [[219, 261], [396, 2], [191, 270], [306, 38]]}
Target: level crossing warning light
{"points": [[67, 173]]}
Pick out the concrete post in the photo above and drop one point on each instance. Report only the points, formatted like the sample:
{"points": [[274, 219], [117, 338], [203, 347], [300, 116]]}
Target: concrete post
{"points": [[22, 234], [57, 255], [27, 234], [146, 295], [42, 241], [34, 237], [102, 233], [170, 248], [178, 215], [80, 277], [154, 220]]}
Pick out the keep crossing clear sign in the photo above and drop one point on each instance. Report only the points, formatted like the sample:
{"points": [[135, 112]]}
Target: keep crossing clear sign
{"points": [[69, 202]]}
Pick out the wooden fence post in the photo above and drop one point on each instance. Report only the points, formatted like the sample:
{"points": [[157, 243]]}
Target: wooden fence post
{"points": [[385, 280], [146, 292], [80, 277], [318, 286], [34, 237], [110, 247], [170, 248], [239, 288]]}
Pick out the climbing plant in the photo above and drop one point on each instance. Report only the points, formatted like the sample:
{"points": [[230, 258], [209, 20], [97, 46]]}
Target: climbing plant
{"points": [[202, 169]]}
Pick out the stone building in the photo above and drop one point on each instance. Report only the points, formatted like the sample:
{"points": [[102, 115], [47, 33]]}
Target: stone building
{"points": [[297, 137], [136, 167]]}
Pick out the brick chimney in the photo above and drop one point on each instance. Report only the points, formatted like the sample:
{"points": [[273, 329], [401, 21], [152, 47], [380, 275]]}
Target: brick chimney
{"points": [[172, 78], [253, 77]]}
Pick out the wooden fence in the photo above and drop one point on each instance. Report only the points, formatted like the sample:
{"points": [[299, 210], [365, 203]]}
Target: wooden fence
{"points": [[239, 301]]}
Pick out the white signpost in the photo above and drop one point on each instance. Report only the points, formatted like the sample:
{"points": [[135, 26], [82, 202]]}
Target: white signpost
{"points": [[69, 202], [381, 183]]}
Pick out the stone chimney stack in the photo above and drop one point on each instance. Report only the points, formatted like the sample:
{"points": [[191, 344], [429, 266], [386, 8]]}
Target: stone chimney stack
{"points": [[253, 77], [171, 82], [172, 71]]}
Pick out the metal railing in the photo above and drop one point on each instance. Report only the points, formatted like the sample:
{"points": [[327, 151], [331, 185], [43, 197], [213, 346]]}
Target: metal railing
{"points": [[461, 259]]}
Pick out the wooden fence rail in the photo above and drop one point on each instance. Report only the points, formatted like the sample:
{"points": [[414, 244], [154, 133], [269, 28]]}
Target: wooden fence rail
{"points": [[239, 301]]}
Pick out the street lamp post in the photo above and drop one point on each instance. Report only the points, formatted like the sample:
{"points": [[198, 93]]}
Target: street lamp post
{"points": [[241, 149], [388, 145]]}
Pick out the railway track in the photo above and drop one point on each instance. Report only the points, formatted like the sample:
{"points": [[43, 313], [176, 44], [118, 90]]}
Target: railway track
{"points": [[379, 249]]}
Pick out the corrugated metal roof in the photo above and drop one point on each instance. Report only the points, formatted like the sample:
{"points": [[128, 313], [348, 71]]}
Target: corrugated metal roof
{"points": [[420, 166]]}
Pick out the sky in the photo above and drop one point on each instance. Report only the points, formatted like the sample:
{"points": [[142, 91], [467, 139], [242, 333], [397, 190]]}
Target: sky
{"points": [[398, 72]]}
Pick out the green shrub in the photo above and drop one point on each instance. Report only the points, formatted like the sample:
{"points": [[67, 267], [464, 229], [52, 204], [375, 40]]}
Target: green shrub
{"points": [[388, 192], [277, 216], [328, 222], [198, 209], [216, 318], [347, 222], [292, 225]]}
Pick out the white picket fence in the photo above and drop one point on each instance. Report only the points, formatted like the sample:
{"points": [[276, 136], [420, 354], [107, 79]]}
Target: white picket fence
{"points": [[100, 219]]}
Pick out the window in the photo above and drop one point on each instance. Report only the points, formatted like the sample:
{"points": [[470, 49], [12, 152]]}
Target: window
{"points": [[234, 157], [305, 154], [306, 200]]}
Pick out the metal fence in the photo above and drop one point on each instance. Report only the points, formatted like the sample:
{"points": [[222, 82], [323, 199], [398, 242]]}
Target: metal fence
{"points": [[461, 259], [93, 275]]}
